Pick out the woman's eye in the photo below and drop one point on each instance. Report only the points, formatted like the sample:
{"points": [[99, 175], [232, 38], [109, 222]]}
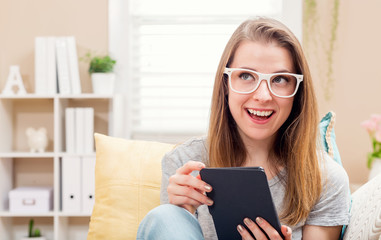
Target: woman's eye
{"points": [[280, 79], [246, 76]]}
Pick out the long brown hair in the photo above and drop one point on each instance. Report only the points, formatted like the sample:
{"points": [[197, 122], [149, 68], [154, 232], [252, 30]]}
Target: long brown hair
{"points": [[295, 146]]}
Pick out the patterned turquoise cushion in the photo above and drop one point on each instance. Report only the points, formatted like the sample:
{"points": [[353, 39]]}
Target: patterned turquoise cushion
{"points": [[328, 137]]}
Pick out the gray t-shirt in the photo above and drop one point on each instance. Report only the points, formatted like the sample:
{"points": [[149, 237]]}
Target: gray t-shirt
{"points": [[331, 210]]}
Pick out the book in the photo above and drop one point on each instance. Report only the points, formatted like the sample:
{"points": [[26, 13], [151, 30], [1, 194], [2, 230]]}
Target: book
{"points": [[51, 69], [63, 66], [80, 126], [56, 66], [70, 130], [89, 130], [73, 66], [88, 184], [71, 184], [239, 193], [40, 65]]}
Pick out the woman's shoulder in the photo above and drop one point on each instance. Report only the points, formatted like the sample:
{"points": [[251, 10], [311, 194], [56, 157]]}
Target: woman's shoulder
{"points": [[332, 209], [193, 149], [193, 145], [333, 173]]}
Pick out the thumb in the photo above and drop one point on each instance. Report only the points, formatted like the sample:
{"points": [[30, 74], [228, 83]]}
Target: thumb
{"points": [[287, 232]]}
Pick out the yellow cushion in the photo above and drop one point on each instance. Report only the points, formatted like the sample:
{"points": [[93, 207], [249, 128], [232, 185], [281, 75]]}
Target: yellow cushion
{"points": [[127, 185]]}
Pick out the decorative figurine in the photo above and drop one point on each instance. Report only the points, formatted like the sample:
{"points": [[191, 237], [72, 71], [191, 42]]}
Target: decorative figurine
{"points": [[14, 85], [37, 139]]}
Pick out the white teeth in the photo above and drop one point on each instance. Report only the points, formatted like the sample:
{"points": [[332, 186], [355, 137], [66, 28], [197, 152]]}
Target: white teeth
{"points": [[260, 113]]}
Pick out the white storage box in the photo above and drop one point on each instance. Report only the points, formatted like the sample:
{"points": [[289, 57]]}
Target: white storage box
{"points": [[31, 200]]}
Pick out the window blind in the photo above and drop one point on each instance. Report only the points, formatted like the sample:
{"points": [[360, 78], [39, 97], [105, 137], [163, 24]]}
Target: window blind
{"points": [[176, 48]]}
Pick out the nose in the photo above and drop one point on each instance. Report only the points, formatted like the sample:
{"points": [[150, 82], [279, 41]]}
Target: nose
{"points": [[262, 93]]}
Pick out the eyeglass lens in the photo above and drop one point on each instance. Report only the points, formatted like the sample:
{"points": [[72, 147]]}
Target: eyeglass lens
{"points": [[247, 81]]}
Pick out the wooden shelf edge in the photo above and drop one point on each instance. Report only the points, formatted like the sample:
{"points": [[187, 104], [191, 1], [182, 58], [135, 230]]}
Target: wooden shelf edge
{"points": [[62, 214], [46, 214], [26, 96], [32, 214], [27, 155], [85, 96], [64, 154], [43, 155], [59, 96]]}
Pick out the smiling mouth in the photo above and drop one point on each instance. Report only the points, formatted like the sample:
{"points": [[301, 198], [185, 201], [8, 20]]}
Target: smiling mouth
{"points": [[259, 115]]}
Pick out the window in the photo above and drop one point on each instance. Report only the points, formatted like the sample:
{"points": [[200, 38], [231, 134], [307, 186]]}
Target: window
{"points": [[175, 47]]}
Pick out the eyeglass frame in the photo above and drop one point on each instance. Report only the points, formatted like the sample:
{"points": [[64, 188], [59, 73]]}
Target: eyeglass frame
{"points": [[264, 76]]}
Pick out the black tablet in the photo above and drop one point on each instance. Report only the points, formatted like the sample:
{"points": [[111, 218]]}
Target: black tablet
{"points": [[239, 193]]}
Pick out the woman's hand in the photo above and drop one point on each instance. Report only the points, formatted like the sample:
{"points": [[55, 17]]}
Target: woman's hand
{"points": [[258, 234], [187, 191]]}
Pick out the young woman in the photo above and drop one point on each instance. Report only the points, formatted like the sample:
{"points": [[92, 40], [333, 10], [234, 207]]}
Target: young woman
{"points": [[263, 113]]}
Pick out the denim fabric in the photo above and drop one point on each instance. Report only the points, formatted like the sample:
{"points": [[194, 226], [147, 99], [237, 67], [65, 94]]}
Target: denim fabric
{"points": [[169, 222]]}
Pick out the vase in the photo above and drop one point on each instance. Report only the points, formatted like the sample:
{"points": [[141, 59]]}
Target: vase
{"points": [[376, 168], [103, 83]]}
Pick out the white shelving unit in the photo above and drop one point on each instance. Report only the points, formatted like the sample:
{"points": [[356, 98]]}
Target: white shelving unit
{"points": [[18, 167]]}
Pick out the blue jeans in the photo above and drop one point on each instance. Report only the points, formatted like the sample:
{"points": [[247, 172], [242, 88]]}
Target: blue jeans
{"points": [[169, 222]]}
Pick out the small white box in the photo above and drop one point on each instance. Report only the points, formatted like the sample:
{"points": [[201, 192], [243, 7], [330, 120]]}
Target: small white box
{"points": [[31, 199]]}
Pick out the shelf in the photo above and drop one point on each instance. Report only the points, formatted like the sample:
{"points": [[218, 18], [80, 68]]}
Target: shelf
{"points": [[77, 96], [61, 214], [76, 154], [35, 214], [26, 96], [46, 214], [20, 167], [43, 155], [27, 155], [86, 96]]}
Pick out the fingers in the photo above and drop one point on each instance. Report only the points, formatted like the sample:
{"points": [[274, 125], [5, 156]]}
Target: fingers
{"points": [[244, 233], [257, 232], [183, 177], [180, 194], [182, 200], [188, 191], [287, 232], [190, 167], [189, 180], [270, 231], [259, 224]]}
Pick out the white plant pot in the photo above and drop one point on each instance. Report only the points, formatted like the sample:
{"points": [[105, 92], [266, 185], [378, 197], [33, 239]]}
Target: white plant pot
{"points": [[376, 168], [33, 238], [103, 83]]}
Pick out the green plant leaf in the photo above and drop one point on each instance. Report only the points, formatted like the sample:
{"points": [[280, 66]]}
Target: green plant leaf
{"points": [[100, 64], [37, 233], [30, 232], [370, 160]]}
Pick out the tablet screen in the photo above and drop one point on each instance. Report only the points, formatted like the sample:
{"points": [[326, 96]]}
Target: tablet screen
{"points": [[239, 193]]}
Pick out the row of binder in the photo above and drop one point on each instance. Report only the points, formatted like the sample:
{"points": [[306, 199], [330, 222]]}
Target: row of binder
{"points": [[79, 130], [56, 66], [78, 184]]}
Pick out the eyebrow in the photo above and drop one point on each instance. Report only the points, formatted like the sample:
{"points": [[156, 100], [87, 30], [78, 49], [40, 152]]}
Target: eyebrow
{"points": [[279, 71]]}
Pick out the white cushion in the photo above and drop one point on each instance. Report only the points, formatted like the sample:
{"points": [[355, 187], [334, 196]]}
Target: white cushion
{"points": [[365, 220]]}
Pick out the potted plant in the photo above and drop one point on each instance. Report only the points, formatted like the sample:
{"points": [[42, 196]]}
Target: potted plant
{"points": [[102, 75], [34, 234], [373, 127]]}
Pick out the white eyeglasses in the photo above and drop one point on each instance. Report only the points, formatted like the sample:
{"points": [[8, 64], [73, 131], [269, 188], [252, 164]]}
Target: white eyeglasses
{"points": [[246, 81]]}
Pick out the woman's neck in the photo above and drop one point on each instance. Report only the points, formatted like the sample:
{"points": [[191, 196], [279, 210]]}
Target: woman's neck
{"points": [[258, 155]]}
